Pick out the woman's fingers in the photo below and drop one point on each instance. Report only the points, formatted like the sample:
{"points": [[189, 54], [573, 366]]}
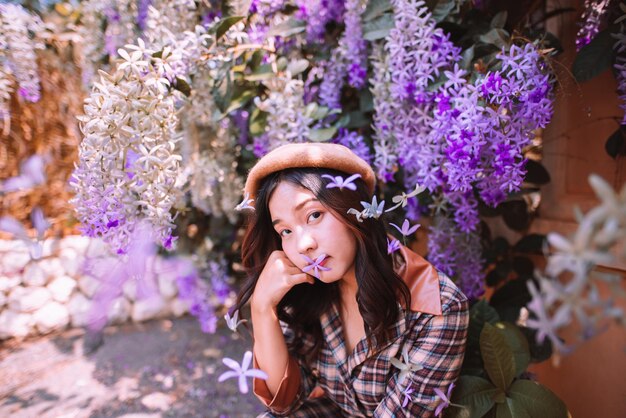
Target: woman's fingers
{"points": [[295, 279]]}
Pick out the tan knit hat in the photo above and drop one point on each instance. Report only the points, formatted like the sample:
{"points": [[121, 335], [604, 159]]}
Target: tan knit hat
{"points": [[310, 154]]}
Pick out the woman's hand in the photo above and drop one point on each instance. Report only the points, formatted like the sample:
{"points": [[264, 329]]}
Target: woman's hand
{"points": [[278, 276]]}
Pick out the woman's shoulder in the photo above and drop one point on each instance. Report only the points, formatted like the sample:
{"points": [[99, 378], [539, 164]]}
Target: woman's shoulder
{"points": [[432, 291]]}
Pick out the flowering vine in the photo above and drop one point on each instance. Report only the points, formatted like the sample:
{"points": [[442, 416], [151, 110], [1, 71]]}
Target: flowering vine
{"points": [[20, 33]]}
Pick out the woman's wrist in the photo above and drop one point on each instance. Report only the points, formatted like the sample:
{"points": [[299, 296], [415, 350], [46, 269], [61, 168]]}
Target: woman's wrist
{"points": [[263, 309]]}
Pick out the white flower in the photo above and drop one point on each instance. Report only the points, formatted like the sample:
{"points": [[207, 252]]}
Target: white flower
{"points": [[405, 366], [232, 322], [245, 203], [241, 371]]}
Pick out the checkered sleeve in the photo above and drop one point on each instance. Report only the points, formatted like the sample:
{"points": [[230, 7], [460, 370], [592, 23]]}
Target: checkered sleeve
{"points": [[296, 385], [439, 347]]}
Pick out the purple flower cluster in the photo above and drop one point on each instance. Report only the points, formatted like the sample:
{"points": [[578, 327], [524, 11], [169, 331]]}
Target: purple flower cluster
{"points": [[333, 81], [317, 14], [592, 18], [355, 142], [457, 253], [142, 13], [354, 44], [192, 289]]}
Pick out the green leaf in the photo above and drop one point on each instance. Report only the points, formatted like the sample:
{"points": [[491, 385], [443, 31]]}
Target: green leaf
{"points": [[511, 409], [287, 28], [499, 20], [537, 400], [258, 121], [225, 24], [366, 100], [530, 243], [357, 120], [480, 314], [321, 135], [468, 57], [476, 394], [378, 28], [594, 58], [495, 36], [375, 8], [517, 343], [515, 214], [240, 100], [616, 144], [239, 7], [297, 66], [536, 173], [442, 9], [497, 357], [263, 72], [182, 86]]}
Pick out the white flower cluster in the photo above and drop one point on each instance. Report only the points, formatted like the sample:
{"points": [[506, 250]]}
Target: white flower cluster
{"points": [[19, 38], [98, 47], [554, 302], [128, 166], [286, 120]]}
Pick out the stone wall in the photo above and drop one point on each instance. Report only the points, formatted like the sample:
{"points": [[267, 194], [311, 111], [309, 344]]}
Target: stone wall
{"points": [[57, 291]]}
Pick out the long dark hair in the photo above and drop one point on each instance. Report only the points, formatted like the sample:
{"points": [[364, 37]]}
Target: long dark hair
{"points": [[379, 286]]}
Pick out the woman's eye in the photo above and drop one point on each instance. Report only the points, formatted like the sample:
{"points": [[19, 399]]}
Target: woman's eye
{"points": [[315, 213], [281, 232]]}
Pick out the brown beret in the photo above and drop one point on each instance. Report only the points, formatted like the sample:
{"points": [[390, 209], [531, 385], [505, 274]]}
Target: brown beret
{"points": [[318, 155]]}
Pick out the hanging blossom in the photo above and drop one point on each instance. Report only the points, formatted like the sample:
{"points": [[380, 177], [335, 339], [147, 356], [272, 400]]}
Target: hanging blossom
{"points": [[555, 302], [385, 154], [105, 27], [286, 119], [196, 293], [19, 32], [333, 80], [418, 54], [620, 61], [457, 254], [120, 17], [317, 14], [264, 13], [592, 17], [354, 45], [127, 166], [355, 142]]}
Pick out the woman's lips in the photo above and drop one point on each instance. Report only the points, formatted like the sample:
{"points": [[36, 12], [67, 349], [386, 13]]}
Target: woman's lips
{"points": [[324, 261]]}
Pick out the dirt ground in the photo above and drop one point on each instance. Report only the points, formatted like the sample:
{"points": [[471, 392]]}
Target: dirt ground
{"points": [[159, 368]]}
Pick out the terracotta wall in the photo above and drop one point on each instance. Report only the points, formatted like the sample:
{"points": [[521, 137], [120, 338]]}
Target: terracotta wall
{"points": [[592, 380]]}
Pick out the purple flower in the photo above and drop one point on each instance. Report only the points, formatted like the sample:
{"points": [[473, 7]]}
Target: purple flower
{"points": [[592, 17], [445, 398], [142, 13], [407, 396], [338, 181], [406, 229], [315, 265], [355, 142], [241, 372], [392, 246]]}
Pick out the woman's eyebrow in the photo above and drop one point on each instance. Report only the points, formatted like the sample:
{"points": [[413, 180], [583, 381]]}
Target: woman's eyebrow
{"points": [[297, 208]]}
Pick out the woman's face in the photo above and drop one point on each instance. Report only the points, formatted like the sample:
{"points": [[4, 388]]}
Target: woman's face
{"points": [[308, 228]]}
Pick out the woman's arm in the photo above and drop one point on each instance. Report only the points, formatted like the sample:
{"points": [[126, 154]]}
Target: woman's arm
{"points": [[439, 347], [270, 349]]}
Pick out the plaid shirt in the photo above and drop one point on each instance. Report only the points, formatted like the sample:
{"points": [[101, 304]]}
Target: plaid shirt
{"points": [[433, 333]]}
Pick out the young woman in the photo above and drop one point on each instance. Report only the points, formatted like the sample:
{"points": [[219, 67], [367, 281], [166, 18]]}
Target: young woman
{"points": [[343, 326]]}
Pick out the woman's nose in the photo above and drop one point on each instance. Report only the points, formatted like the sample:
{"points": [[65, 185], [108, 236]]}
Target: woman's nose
{"points": [[306, 242]]}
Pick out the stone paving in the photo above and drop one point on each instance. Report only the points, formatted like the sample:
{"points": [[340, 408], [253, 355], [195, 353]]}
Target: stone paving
{"points": [[159, 368]]}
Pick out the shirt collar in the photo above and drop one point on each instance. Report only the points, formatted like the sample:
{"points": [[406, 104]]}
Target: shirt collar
{"points": [[422, 279]]}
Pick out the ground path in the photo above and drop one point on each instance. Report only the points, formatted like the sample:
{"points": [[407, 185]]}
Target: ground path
{"points": [[160, 368]]}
